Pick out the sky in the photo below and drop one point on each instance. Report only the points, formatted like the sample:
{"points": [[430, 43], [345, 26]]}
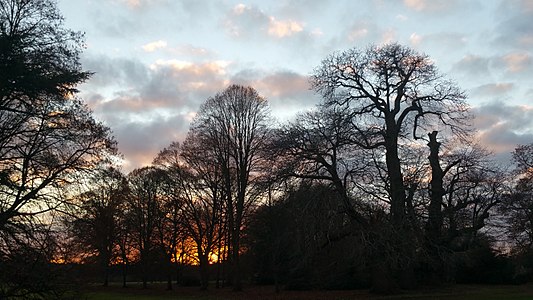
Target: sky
{"points": [[156, 61]]}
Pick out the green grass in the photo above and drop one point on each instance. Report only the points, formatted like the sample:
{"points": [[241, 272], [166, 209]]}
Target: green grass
{"points": [[158, 292]]}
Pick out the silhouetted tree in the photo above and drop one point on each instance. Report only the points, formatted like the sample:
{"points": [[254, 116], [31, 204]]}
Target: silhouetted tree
{"points": [[47, 137], [319, 146], [199, 188], [147, 188], [389, 92], [233, 127], [518, 207], [95, 227]]}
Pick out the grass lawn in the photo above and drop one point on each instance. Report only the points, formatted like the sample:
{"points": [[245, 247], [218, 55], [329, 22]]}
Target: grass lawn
{"points": [[158, 292]]}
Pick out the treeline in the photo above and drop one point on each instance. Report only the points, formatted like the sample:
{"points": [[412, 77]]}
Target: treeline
{"points": [[380, 186]]}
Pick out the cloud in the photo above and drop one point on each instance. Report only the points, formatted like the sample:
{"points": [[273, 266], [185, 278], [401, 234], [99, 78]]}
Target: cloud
{"points": [[245, 21], [514, 65], [514, 30], [474, 66], [117, 25], [127, 73], [517, 62], [493, 89], [415, 39], [188, 50], [242, 21], [501, 127], [362, 30], [140, 142], [287, 92], [140, 4], [148, 106], [430, 5], [282, 29], [446, 41], [401, 18], [153, 46]]}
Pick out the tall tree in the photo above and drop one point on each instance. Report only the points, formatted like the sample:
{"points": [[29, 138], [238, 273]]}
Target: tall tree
{"points": [[199, 180], [233, 125], [147, 188], [95, 227], [46, 135], [318, 146], [389, 91]]}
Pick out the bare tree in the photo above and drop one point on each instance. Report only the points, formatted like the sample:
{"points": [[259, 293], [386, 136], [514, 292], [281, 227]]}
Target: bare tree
{"points": [[233, 125], [45, 134], [389, 91], [199, 179], [47, 137], [473, 187], [518, 207], [147, 188], [95, 224], [319, 146]]}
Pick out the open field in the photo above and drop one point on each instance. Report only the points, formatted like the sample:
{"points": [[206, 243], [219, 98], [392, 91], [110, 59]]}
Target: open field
{"points": [[156, 292]]}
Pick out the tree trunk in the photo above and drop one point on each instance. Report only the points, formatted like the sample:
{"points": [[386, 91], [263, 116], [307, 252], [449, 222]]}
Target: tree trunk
{"points": [[204, 271], [144, 268], [236, 268], [403, 273], [124, 270], [437, 191], [397, 188]]}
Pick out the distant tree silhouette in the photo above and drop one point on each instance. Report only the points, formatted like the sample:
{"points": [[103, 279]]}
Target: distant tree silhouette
{"points": [[144, 207], [199, 189], [518, 207], [95, 227], [233, 127]]}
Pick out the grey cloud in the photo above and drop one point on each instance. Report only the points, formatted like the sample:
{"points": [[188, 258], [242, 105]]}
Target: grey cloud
{"points": [[501, 127], [245, 21], [287, 92], [161, 86], [441, 7], [513, 64], [113, 71], [140, 142], [473, 65], [493, 89], [302, 7], [446, 41], [123, 19], [151, 105], [114, 23], [515, 29]]}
